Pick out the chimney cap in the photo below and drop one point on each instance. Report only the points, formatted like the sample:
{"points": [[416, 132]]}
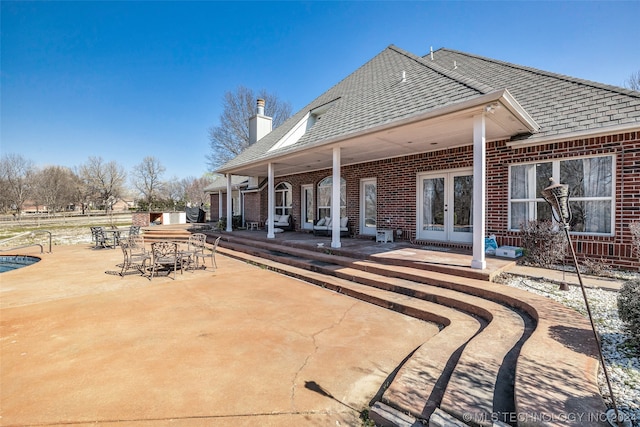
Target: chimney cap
{"points": [[260, 107]]}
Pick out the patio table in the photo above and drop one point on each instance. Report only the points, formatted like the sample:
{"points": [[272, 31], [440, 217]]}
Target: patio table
{"points": [[114, 235]]}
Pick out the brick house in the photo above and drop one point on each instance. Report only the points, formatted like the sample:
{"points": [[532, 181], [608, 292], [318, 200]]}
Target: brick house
{"points": [[446, 149]]}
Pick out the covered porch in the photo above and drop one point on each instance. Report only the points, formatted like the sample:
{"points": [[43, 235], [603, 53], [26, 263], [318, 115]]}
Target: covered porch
{"points": [[493, 116]]}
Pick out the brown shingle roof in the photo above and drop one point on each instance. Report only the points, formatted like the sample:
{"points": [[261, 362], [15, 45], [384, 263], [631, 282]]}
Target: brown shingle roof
{"points": [[375, 94]]}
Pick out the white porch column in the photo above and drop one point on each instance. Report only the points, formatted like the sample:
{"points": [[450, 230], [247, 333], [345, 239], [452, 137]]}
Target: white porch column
{"points": [[220, 204], [229, 204], [335, 200], [479, 192], [271, 203]]}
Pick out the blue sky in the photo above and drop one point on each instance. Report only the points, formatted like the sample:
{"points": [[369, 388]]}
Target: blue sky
{"points": [[124, 80]]}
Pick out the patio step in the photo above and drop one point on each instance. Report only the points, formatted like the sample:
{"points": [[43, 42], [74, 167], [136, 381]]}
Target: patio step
{"points": [[178, 233], [468, 369], [439, 260]]}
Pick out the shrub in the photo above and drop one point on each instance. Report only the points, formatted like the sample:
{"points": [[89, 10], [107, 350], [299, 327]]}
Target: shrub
{"points": [[596, 267], [544, 245], [629, 307]]}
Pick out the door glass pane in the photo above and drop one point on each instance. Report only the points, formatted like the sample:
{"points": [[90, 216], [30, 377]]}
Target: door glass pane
{"points": [[370, 205], [463, 204], [308, 200], [433, 204]]}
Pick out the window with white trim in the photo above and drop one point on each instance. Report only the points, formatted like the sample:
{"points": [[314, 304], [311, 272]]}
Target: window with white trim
{"points": [[283, 199], [324, 197], [591, 188]]}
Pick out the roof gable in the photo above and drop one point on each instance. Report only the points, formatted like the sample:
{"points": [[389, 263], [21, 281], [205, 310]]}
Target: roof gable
{"points": [[559, 104]]}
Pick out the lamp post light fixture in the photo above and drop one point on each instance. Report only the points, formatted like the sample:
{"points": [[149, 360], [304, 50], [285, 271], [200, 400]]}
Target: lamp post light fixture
{"points": [[557, 195]]}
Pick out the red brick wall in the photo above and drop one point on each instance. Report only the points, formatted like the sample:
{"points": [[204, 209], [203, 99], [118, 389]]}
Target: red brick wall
{"points": [[396, 182], [140, 219], [252, 207], [215, 206], [616, 249]]}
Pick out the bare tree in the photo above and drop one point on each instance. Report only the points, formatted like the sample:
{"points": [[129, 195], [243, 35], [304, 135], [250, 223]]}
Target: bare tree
{"points": [[194, 190], [174, 192], [231, 137], [104, 181], [633, 82], [15, 178], [55, 188], [147, 179]]}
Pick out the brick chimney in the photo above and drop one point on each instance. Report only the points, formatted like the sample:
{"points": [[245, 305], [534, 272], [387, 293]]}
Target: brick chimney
{"points": [[259, 125]]}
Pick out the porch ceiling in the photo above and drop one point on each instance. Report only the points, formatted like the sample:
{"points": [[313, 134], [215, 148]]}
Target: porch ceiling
{"points": [[394, 140]]}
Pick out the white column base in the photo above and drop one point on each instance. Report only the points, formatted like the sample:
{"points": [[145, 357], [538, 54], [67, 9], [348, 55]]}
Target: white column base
{"points": [[480, 265]]}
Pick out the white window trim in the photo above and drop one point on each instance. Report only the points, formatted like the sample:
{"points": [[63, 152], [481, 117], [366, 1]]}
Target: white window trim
{"points": [[555, 165], [288, 189]]}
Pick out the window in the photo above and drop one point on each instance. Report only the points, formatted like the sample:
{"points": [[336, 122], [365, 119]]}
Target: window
{"points": [[590, 182], [324, 197], [283, 198]]}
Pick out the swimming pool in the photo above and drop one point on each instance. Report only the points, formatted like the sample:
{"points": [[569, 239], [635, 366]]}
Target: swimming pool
{"points": [[12, 262]]}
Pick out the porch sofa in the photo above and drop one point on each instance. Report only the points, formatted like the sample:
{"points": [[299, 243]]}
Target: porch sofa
{"points": [[323, 227], [284, 222]]}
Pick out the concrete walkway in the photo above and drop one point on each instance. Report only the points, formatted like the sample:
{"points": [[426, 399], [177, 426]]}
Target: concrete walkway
{"points": [[239, 346], [566, 277]]}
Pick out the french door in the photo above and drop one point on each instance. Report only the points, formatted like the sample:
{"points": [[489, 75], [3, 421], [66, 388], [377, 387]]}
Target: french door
{"points": [[307, 207], [368, 206], [445, 206]]}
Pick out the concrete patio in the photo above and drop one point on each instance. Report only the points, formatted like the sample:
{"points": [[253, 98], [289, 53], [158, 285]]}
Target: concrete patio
{"points": [[236, 346]]}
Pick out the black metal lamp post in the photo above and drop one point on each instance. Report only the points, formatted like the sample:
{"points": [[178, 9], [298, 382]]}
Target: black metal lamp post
{"points": [[557, 195]]}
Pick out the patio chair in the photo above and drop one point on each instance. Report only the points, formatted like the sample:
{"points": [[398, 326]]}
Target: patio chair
{"points": [[134, 230], [134, 257], [195, 249], [204, 255], [94, 238], [137, 245], [100, 238], [165, 255]]}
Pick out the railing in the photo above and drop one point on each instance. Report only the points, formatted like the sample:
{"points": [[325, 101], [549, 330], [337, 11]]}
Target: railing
{"points": [[30, 234]]}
